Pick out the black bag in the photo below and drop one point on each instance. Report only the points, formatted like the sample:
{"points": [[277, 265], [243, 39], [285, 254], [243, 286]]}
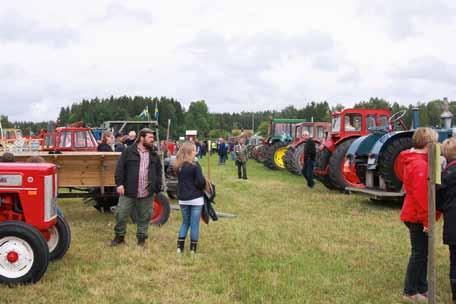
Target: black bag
{"points": [[208, 211]]}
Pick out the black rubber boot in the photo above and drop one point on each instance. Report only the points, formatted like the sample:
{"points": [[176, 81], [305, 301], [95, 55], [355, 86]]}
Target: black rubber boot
{"points": [[180, 245], [118, 240], [193, 245], [453, 290], [141, 241]]}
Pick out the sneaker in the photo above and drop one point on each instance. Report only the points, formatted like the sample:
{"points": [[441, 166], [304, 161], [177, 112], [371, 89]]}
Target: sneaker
{"points": [[179, 251], [118, 240], [417, 298]]}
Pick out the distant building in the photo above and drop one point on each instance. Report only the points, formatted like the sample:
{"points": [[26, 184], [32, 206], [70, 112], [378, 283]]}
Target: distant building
{"points": [[191, 135]]}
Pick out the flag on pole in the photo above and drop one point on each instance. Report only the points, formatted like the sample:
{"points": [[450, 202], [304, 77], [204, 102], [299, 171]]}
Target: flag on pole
{"points": [[156, 111], [145, 112]]}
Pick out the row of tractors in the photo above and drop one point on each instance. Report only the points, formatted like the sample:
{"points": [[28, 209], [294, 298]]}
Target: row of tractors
{"points": [[356, 152]]}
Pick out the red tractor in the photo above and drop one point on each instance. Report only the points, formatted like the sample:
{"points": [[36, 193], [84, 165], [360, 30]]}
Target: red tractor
{"points": [[69, 139], [294, 157], [31, 230], [331, 166]]}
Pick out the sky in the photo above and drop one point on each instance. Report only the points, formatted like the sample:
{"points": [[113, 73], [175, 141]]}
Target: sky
{"points": [[236, 55]]}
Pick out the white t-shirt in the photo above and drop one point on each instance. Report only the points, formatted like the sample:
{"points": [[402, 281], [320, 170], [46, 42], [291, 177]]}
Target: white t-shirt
{"points": [[199, 201]]}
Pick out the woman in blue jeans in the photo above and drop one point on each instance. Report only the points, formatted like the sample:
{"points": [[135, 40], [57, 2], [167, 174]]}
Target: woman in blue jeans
{"points": [[190, 192]]}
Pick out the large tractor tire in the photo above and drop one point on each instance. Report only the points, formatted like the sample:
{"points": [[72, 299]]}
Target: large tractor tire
{"points": [[59, 239], [321, 162], [339, 174], [294, 159], [24, 254], [261, 153], [387, 159], [161, 211], [275, 154]]}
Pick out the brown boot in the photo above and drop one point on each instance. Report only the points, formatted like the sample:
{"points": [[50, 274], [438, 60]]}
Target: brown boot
{"points": [[118, 240]]}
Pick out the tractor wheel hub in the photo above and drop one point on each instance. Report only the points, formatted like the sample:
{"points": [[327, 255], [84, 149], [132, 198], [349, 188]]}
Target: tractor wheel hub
{"points": [[12, 256]]}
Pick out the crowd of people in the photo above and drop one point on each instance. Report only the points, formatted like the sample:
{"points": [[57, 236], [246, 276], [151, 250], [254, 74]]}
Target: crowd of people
{"points": [[138, 177]]}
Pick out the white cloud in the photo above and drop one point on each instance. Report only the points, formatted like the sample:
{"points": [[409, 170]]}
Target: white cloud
{"points": [[236, 55]]}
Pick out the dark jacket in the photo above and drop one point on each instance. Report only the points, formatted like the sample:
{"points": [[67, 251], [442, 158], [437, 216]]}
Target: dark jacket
{"points": [[310, 151], [190, 182], [222, 149], [119, 147], [104, 148], [446, 203], [127, 171]]}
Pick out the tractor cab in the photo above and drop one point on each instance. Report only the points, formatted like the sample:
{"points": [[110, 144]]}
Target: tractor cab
{"points": [[70, 139], [355, 122]]}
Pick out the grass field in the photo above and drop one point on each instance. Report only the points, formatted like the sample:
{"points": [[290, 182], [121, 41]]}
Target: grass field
{"points": [[288, 244]]}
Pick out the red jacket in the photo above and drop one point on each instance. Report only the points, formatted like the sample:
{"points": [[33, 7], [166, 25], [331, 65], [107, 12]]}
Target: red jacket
{"points": [[412, 168]]}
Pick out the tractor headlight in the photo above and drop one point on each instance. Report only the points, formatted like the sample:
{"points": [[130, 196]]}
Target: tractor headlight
{"points": [[49, 198]]}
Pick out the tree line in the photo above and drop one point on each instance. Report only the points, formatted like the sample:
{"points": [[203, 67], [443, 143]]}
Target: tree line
{"points": [[197, 117]]}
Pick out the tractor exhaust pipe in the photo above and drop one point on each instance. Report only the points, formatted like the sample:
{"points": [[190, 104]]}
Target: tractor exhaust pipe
{"points": [[446, 117], [415, 118]]}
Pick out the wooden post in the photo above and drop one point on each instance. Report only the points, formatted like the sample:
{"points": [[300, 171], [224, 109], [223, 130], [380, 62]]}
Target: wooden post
{"points": [[431, 273], [209, 151]]}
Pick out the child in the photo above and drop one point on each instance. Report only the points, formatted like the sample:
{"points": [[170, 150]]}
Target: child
{"points": [[446, 203], [413, 165]]}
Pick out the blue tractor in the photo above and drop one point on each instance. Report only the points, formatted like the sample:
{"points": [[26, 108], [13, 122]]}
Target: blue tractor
{"points": [[374, 157]]}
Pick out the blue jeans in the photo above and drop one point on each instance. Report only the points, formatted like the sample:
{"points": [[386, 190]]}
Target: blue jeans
{"points": [[191, 216]]}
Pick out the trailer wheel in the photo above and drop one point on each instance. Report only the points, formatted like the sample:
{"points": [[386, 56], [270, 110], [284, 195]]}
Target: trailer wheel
{"points": [[60, 239], [340, 174], [161, 211], [387, 162], [24, 254]]}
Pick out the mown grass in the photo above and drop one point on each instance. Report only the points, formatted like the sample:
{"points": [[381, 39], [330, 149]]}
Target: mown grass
{"points": [[288, 244]]}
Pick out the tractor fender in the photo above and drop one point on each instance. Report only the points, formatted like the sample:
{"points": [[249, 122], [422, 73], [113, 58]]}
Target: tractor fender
{"points": [[381, 144], [363, 145]]}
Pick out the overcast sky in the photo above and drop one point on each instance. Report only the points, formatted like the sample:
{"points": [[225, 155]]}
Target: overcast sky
{"points": [[236, 55]]}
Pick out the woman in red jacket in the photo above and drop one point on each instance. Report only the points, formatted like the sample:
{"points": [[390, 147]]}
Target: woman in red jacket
{"points": [[413, 167]]}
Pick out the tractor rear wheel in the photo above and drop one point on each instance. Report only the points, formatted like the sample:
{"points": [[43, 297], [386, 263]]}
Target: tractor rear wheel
{"points": [[341, 175], [261, 153], [296, 159], [24, 254], [60, 239], [321, 163], [387, 160], [274, 155]]}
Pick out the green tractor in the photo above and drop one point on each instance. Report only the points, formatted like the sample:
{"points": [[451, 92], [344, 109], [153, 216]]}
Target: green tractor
{"points": [[281, 133]]}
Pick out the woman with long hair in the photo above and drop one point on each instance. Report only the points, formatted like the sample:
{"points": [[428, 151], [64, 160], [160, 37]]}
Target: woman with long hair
{"points": [[190, 192]]}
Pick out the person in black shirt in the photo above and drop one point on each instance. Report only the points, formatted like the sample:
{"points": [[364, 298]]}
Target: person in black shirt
{"points": [[190, 192], [309, 159], [106, 142], [119, 145]]}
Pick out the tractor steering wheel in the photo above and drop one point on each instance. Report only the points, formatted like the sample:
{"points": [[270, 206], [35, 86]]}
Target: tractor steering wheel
{"points": [[397, 117]]}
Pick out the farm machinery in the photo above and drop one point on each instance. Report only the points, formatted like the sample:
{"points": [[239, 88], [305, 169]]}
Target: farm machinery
{"points": [[294, 156], [331, 166], [281, 133], [88, 174], [375, 157], [32, 232]]}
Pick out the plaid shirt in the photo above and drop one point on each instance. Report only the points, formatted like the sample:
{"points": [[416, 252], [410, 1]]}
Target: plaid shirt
{"points": [[143, 179]]}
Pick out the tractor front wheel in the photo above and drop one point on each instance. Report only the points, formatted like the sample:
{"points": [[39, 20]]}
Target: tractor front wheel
{"points": [[59, 239], [24, 254]]}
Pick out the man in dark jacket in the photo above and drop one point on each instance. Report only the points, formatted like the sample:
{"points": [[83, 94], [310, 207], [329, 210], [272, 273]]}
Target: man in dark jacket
{"points": [[138, 176], [309, 159]]}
